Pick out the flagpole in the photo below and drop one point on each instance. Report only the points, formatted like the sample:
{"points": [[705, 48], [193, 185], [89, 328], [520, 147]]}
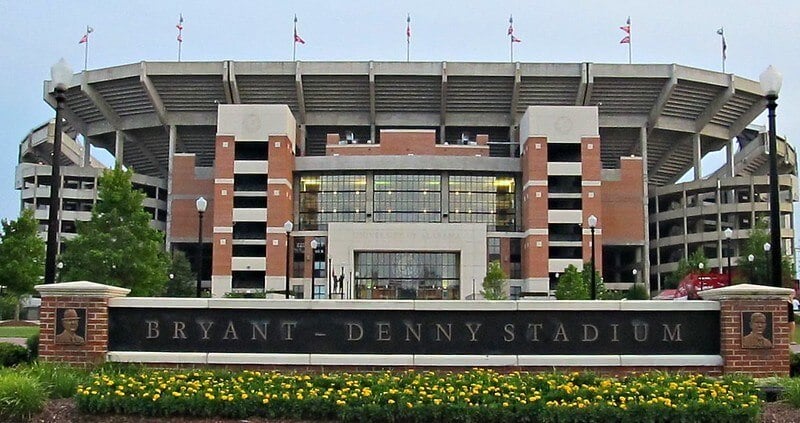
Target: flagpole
{"points": [[86, 49], [511, 42], [294, 41], [630, 50], [408, 37]]}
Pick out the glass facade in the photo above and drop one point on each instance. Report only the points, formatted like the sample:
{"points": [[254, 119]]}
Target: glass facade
{"points": [[483, 199], [407, 275], [332, 198], [407, 198], [489, 199]]}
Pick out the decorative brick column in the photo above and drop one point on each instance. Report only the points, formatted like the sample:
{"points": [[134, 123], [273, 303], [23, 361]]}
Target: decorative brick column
{"points": [[754, 322], [74, 321]]}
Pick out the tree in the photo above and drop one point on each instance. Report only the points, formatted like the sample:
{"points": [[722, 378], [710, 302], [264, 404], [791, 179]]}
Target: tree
{"points": [[21, 256], [570, 285], [494, 284], [576, 285], [182, 281], [118, 246], [697, 263], [758, 271]]}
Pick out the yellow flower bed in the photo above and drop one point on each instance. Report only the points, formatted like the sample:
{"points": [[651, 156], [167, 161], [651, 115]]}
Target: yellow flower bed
{"points": [[477, 395]]}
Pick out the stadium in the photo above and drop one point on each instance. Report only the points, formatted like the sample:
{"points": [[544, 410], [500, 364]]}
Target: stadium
{"points": [[399, 180]]}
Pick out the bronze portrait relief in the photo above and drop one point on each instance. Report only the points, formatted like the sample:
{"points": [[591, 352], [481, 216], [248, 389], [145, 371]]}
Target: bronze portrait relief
{"points": [[70, 326], [758, 329]]}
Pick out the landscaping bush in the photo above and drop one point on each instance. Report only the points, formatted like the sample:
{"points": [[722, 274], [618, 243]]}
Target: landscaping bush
{"points": [[20, 397], [60, 380], [794, 364], [791, 391], [477, 395], [11, 354], [33, 346], [638, 292]]}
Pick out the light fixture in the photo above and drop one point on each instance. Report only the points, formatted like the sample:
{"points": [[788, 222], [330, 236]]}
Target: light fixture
{"points": [[771, 81], [201, 204], [61, 77], [592, 221], [287, 226]]}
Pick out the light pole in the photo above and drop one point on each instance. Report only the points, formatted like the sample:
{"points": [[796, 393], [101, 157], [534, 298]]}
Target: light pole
{"points": [[767, 248], [288, 228], [60, 75], [771, 81], [201, 205], [314, 245], [728, 236], [750, 259], [592, 220]]}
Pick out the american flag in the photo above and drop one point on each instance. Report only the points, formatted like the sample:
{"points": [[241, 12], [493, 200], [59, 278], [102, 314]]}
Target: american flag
{"points": [[627, 28], [297, 38], [85, 38]]}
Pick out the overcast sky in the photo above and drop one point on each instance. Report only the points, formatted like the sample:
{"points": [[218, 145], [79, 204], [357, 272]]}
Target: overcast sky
{"points": [[35, 33]]}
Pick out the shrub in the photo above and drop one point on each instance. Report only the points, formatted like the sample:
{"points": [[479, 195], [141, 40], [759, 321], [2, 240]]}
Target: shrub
{"points": [[33, 346], [11, 354], [422, 396], [60, 380], [794, 364], [791, 391], [638, 292], [20, 397]]}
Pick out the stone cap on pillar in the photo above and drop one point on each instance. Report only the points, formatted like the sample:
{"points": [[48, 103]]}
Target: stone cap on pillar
{"points": [[81, 289], [747, 291]]}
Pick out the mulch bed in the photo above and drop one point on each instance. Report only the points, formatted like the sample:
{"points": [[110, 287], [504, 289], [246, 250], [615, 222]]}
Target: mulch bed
{"points": [[64, 411]]}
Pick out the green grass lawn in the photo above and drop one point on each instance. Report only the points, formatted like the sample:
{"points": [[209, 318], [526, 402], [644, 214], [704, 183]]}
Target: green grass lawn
{"points": [[18, 331]]}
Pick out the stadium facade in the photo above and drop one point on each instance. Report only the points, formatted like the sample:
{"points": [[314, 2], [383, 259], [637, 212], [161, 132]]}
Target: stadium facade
{"points": [[412, 177]]}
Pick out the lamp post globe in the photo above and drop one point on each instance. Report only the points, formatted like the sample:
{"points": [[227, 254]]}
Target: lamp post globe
{"points": [[61, 77], [771, 81]]}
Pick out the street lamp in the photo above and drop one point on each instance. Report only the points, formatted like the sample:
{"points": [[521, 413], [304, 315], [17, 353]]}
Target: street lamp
{"points": [[288, 228], [771, 81], [60, 75], [592, 220], [60, 267], [767, 248], [728, 236], [314, 245], [201, 204]]}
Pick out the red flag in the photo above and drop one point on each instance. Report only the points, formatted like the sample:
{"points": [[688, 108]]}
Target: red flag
{"points": [[297, 38], [180, 22], [84, 39], [511, 25], [408, 26], [515, 39], [627, 29]]}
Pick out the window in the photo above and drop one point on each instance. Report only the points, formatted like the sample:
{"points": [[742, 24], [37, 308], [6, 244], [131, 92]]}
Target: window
{"points": [[332, 198], [407, 198], [407, 275], [320, 292], [483, 199]]}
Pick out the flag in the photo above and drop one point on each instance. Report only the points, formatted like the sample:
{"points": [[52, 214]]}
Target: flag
{"points": [[515, 39], [408, 26], [511, 26], [180, 28], [297, 38], [721, 32], [627, 29], [85, 38]]}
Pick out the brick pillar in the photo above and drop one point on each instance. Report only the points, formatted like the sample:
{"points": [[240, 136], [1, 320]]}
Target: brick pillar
{"points": [[74, 321], [754, 322]]}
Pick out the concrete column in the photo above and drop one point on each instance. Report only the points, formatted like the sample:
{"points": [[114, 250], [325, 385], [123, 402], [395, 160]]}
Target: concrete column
{"points": [[698, 156], [84, 302], [119, 146], [746, 347], [87, 152], [173, 140], [646, 204], [729, 156]]}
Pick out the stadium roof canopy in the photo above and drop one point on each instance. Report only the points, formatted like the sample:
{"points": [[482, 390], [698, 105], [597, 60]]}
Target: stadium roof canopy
{"points": [[670, 103]]}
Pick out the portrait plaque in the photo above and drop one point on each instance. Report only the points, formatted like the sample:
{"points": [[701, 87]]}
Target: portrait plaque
{"points": [[70, 326], [756, 330]]}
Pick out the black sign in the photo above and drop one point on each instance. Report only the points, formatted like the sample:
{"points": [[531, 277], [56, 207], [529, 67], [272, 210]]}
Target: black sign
{"points": [[414, 332]]}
